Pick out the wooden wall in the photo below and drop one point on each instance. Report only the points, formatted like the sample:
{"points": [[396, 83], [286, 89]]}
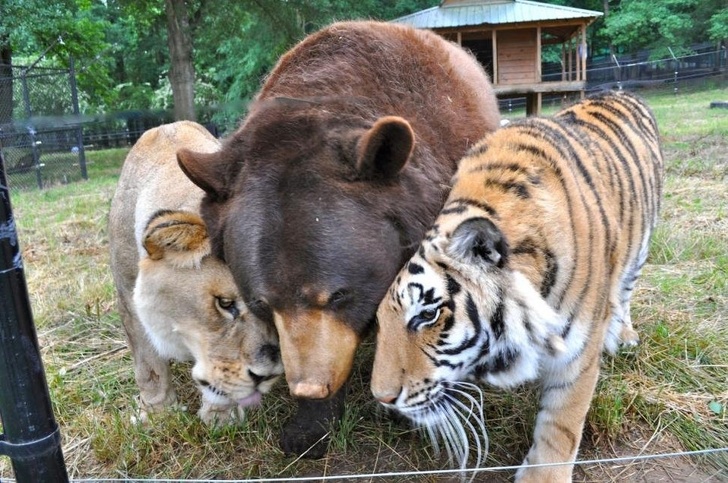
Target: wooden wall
{"points": [[517, 56]]}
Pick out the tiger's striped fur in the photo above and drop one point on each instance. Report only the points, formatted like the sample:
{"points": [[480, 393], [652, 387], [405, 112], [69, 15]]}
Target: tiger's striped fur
{"points": [[526, 275]]}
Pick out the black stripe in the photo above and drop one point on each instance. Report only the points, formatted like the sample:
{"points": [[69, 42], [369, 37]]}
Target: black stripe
{"points": [[474, 203], [454, 209], [497, 324], [415, 268], [519, 189], [503, 360], [550, 274], [453, 287], [477, 150], [472, 310], [496, 165]]}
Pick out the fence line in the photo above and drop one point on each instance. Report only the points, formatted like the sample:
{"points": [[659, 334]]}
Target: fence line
{"points": [[452, 472]]}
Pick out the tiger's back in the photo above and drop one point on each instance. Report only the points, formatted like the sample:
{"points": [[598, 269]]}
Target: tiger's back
{"points": [[528, 271]]}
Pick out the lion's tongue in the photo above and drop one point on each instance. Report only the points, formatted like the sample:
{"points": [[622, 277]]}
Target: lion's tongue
{"points": [[252, 400]]}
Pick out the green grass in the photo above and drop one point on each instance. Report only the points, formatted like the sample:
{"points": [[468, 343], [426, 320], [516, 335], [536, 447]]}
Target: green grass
{"points": [[668, 394]]}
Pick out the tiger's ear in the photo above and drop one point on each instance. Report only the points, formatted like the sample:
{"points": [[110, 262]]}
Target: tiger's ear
{"points": [[383, 150], [479, 241], [210, 171], [179, 237]]}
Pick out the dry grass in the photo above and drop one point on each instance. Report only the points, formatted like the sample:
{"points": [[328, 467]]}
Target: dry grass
{"points": [[668, 394]]}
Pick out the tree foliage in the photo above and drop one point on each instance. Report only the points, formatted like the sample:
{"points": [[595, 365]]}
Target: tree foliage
{"points": [[673, 24], [122, 55]]}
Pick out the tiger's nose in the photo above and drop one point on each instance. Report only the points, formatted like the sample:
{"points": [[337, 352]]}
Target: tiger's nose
{"points": [[387, 398], [257, 378]]}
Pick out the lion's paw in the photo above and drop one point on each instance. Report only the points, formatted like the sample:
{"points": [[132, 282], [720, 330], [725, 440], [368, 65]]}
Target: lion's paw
{"points": [[220, 414]]}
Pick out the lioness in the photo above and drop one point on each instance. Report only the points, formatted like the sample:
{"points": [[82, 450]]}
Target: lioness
{"points": [[176, 300]]}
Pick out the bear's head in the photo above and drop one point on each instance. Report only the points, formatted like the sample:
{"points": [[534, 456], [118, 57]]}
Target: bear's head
{"points": [[315, 210]]}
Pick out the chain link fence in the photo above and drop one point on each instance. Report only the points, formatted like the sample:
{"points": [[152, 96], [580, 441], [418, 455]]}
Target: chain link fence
{"points": [[41, 138], [635, 71]]}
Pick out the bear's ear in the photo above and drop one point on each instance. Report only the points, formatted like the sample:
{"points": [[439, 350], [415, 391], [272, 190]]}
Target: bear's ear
{"points": [[177, 236], [479, 241], [209, 171], [383, 150]]}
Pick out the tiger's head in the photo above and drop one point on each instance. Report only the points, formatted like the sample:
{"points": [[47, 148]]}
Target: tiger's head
{"points": [[459, 311]]}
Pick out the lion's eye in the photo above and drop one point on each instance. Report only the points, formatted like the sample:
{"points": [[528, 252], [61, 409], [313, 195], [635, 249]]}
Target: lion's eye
{"points": [[424, 318], [228, 305]]}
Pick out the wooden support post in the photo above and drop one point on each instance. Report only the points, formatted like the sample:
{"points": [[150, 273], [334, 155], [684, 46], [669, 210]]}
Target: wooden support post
{"points": [[538, 54], [533, 104], [495, 57], [584, 53]]}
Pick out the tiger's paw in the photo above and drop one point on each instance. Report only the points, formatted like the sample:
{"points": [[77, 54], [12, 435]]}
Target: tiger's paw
{"points": [[628, 338]]}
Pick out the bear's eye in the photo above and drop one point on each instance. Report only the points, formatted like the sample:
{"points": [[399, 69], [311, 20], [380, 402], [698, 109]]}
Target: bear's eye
{"points": [[261, 309], [228, 305], [338, 297], [424, 318]]}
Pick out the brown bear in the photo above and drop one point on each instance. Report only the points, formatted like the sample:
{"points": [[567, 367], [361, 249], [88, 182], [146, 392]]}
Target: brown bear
{"points": [[327, 187]]}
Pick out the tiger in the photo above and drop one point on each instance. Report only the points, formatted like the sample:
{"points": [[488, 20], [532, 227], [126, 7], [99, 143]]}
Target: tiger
{"points": [[526, 275]]}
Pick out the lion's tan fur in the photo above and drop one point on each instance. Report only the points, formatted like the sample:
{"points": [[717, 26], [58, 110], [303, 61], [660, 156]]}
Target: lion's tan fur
{"points": [[170, 288]]}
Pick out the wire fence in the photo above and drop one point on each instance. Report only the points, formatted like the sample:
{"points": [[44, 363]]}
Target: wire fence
{"points": [[395, 475], [44, 139], [637, 71], [40, 137]]}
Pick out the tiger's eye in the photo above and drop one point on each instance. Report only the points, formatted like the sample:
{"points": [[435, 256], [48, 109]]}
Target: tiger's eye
{"points": [[428, 315]]}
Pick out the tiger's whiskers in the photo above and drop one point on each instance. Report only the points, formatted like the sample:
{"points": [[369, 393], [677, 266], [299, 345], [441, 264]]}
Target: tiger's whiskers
{"points": [[452, 421]]}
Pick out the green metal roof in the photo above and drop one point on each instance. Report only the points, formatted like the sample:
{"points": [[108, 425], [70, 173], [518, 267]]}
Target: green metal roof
{"points": [[461, 13]]}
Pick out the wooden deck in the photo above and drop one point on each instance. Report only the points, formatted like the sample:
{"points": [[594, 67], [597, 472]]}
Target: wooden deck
{"points": [[510, 90], [533, 91]]}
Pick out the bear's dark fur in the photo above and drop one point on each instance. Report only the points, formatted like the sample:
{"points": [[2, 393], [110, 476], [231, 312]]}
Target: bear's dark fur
{"points": [[321, 195]]}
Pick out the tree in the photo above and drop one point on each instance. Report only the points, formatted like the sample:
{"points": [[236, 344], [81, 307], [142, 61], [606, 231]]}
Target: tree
{"points": [[57, 30], [674, 24], [181, 69]]}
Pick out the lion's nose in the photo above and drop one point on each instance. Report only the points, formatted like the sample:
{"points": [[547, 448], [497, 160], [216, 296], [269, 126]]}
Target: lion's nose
{"points": [[257, 378]]}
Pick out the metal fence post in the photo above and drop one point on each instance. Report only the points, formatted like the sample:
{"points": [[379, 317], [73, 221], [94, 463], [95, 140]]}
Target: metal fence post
{"points": [[77, 112], [31, 130], [31, 436]]}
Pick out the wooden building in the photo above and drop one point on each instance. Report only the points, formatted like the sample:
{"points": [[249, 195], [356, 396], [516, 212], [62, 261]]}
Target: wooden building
{"points": [[507, 37]]}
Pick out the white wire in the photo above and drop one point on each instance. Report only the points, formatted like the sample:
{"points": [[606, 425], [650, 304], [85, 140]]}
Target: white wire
{"points": [[622, 459]]}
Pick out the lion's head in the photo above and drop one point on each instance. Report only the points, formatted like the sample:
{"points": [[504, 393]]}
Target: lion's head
{"points": [[190, 308]]}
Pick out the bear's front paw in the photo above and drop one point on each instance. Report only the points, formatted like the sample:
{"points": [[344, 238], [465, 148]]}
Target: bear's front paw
{"points": [[307, 434]]}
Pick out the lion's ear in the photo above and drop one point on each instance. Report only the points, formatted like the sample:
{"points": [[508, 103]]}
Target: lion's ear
{"points": [[177, 236], [210, 171]]}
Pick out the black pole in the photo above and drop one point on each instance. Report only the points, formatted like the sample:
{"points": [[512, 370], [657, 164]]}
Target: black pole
{"points": [[31, 436]]}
